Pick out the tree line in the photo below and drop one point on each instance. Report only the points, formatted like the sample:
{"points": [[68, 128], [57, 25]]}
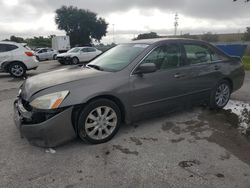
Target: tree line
{"points": [[209, 36], [33, 42], [83, 27]]}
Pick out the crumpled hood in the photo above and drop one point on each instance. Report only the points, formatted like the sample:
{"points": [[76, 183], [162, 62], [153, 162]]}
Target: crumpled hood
{"points": [[42, 81]]}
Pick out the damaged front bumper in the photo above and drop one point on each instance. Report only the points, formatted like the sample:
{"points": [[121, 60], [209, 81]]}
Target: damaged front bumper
{"points": [[65, 60], [44, 130]]}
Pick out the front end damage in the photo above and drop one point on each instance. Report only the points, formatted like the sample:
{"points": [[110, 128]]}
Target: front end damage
{"points": [[43, 128]]}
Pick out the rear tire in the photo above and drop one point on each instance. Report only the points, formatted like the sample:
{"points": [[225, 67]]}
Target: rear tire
{"points": [[220, 95], [99, 121], [17, 70], [54, 57]]}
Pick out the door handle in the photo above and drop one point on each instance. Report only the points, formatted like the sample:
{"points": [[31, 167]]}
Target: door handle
{"points": [[178, 75]]}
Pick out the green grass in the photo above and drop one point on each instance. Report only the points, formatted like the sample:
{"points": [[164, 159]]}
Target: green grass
{"points": [[246, 61]]}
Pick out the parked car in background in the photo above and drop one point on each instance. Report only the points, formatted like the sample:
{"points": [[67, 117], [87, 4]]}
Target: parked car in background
{"points": [[61, 43], [127, 83], [16, 58], [78, 54], [46, 54]]}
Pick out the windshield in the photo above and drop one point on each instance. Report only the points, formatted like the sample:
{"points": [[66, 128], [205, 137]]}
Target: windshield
{"points": [[74, 50], [118, 57]]}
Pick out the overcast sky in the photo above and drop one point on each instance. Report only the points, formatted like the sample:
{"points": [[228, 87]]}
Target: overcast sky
{"points": [[29, 18]]}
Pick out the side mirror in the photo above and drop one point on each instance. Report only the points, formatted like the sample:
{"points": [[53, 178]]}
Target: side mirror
{"points": [[146, 68]]}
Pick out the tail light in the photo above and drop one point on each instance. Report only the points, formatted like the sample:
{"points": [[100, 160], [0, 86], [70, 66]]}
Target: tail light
{"points": [[29, 54]]}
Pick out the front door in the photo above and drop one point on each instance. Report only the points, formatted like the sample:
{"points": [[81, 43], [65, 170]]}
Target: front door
{"points": [[43, 54], [92, 53], [162, 90], [84, 55]]}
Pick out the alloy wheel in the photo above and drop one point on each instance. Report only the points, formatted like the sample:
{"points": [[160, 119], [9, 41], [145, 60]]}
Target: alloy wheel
{"points": [[101, 122], [17, 70], [75, 61], [222, 95]]}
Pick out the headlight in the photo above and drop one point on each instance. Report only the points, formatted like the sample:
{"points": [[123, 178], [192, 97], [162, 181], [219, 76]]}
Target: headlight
{"points": [[19, 92], [50, 101]]}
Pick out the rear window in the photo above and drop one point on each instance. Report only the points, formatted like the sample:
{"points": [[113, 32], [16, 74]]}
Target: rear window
{"points": [[7, 47], [84, 49], [199, 54]]}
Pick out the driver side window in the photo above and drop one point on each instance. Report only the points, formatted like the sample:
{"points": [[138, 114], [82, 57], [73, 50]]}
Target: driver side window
{"points": [[165, 57], [84, 50], [42, 51]]}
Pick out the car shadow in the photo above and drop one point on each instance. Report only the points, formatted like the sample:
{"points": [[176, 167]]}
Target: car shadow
{"points": [[5, 75], [124, 130], [189, 125]]}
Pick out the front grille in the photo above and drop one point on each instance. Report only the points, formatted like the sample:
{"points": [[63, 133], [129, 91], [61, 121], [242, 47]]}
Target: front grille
{"points": [[63, 59]]}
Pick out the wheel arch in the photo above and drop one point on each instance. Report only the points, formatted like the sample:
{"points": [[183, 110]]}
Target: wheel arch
{"points": [[78, 108], [5, 65], [230, 83], [75, 57]]}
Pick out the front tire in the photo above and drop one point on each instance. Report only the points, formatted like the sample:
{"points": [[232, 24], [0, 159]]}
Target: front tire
{"points": [[17, 70], [99, 121], [220, 95], [61, 62], [75, 60]]}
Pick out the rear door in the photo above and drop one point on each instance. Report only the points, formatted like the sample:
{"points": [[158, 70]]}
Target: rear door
{"points": [[92, 52], [50, 53], [5, 52], [203, 70], [164, 89], [83, 55]]}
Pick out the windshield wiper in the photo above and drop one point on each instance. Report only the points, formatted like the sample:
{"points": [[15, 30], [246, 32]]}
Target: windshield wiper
{"points": [[97, 67]]}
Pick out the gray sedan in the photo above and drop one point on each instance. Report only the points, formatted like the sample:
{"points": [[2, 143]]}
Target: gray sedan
{"points": [[46, 54], [127, 83]]}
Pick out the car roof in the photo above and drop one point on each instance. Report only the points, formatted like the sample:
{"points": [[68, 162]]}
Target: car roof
{"points": [[10, 42], [155, 40], [43, 48], [83, 47]]}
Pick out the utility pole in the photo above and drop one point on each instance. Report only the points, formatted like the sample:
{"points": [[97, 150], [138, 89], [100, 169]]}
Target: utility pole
{"points": [[176, 24]]}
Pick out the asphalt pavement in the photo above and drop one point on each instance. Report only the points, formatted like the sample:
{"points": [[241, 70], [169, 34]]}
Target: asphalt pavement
{"points": [[191, 148]]}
